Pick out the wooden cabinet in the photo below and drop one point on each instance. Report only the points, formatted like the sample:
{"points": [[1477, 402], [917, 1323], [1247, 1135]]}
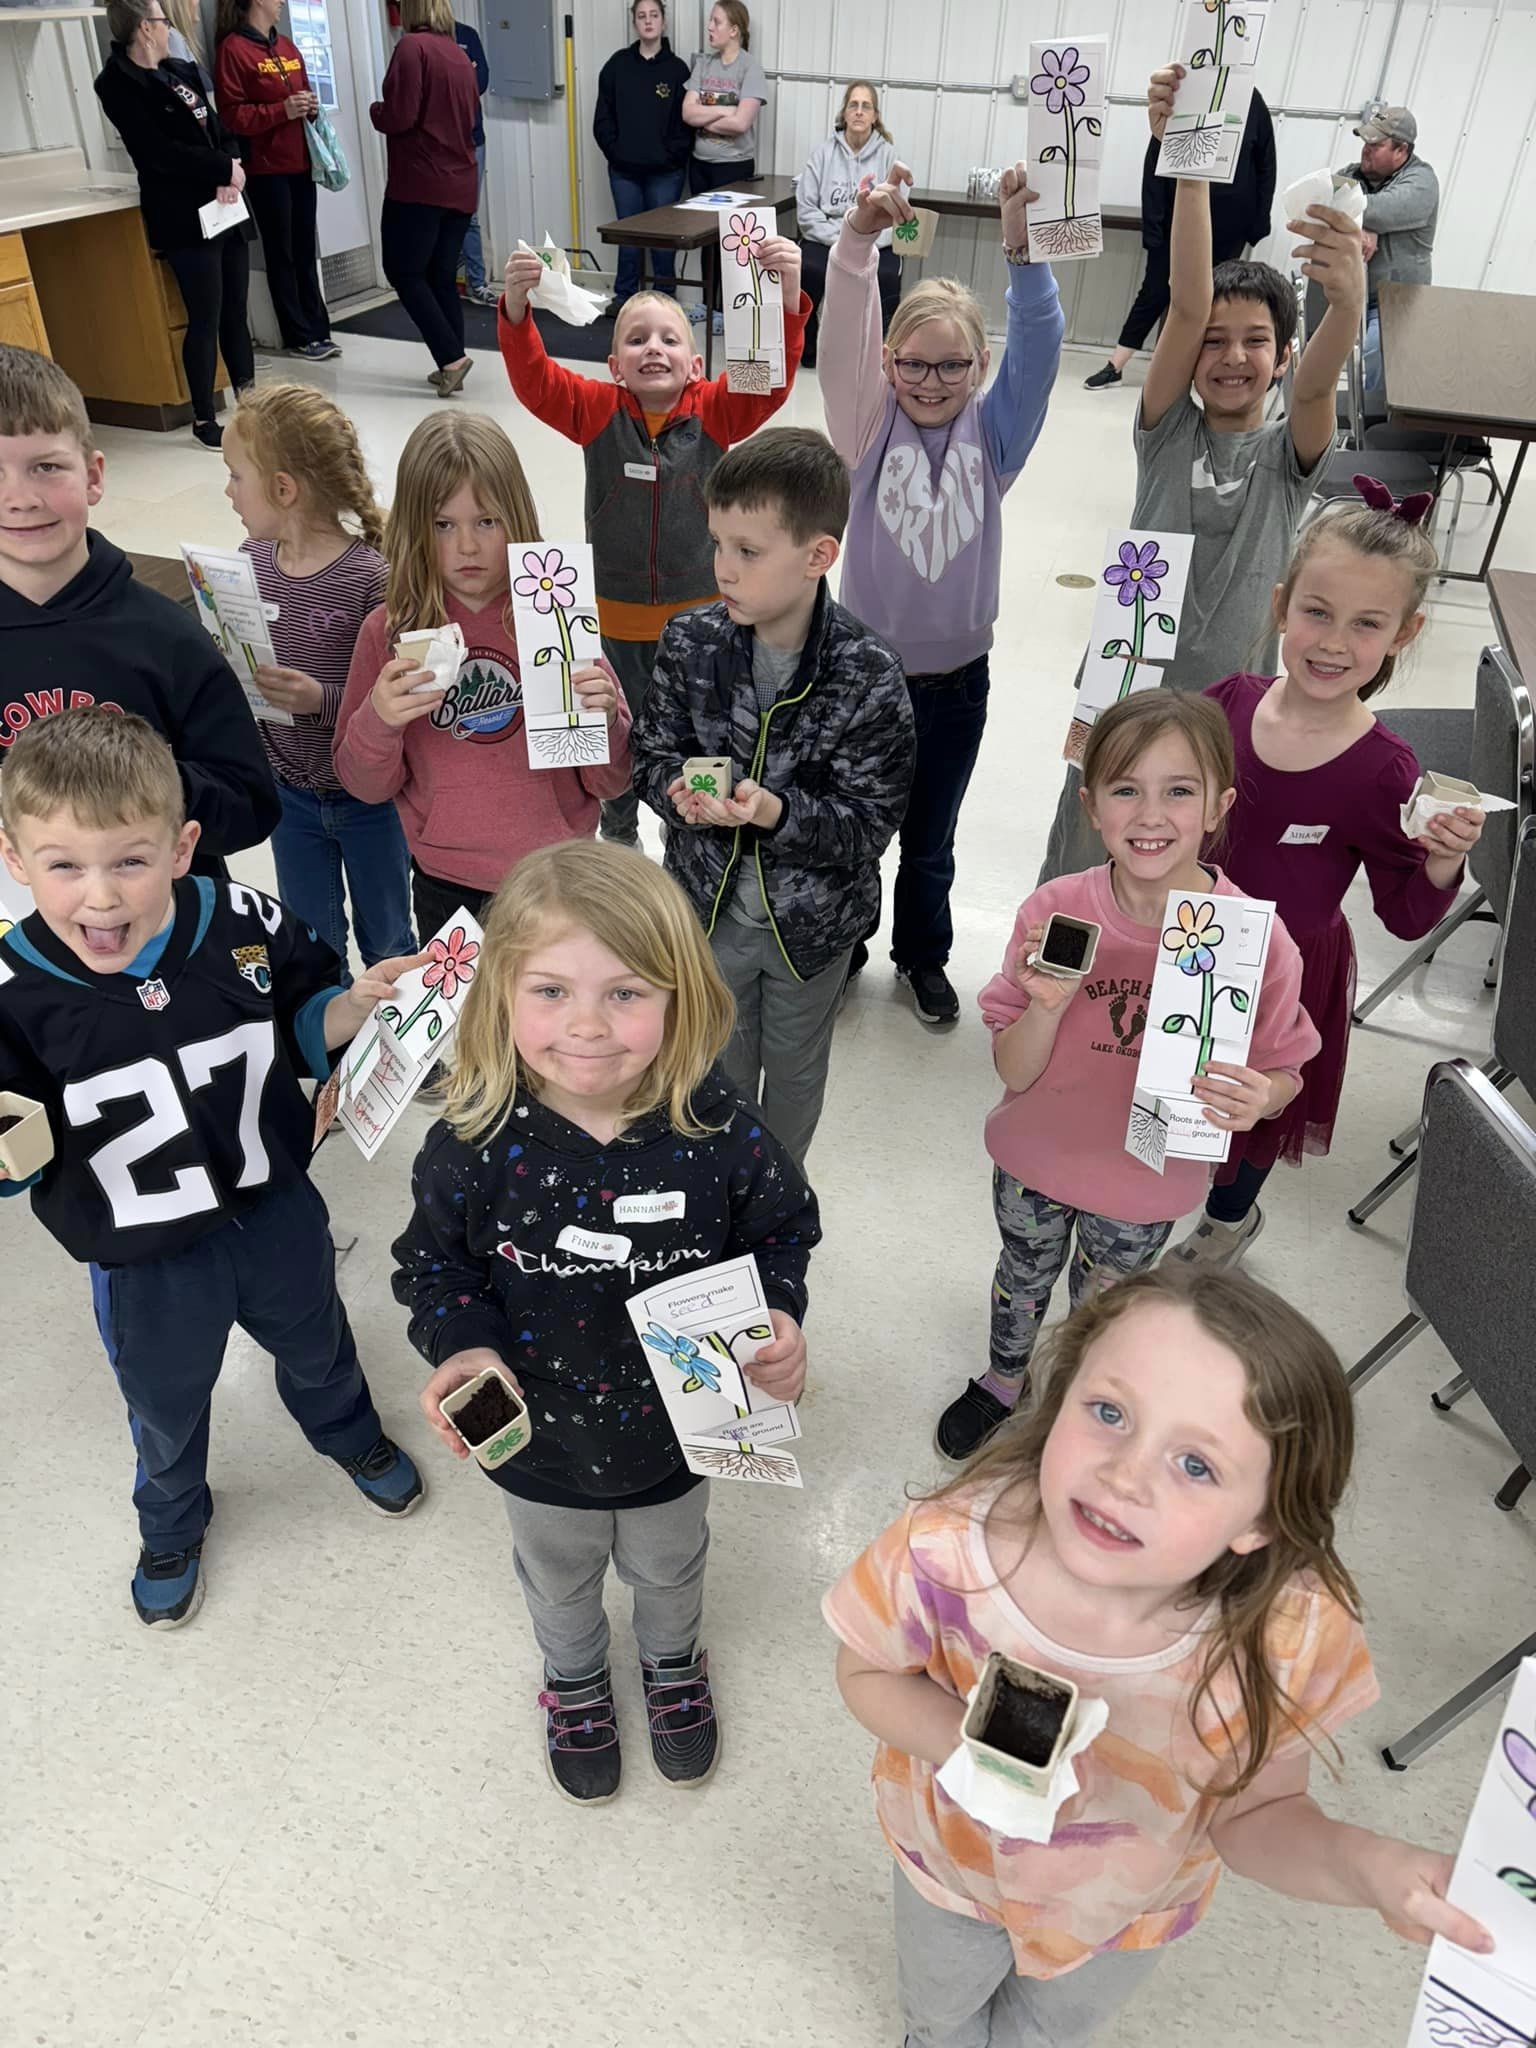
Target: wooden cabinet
{"points": [[21, 317]]}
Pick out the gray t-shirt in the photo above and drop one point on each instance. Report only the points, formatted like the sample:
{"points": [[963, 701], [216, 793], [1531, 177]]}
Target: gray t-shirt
{"points": [[773, 670], [725, 86], [1240, 495]]}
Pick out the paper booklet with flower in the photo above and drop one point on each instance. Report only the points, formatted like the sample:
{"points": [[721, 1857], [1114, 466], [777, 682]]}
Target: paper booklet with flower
{"points": [[403, 1040], [1205, 996], [696, 1331], [754, 302], [1136, 614], [1068, 97], [554, 615], [1219, 45]]}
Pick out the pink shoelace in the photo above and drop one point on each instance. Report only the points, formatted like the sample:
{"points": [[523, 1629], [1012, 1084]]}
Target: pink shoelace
{"points": [[591, 1718]]}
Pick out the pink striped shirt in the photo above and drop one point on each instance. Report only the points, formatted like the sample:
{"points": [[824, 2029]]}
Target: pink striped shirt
{"points": [[316, 628]]}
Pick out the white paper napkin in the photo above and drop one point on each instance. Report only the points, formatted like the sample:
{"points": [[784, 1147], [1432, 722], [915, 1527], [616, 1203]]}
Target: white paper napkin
{"points": [[1008, 1809], [1318, 189], [555, 291]]}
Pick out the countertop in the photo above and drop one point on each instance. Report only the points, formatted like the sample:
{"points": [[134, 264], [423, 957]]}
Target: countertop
{"points": [[47, 186]]}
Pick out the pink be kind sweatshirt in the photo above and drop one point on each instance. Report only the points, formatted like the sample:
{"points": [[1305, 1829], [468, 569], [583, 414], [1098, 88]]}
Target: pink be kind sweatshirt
{"points": [[1065, 1137], [470, 805]]}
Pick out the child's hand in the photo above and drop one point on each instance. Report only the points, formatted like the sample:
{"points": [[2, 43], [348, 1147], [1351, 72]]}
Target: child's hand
{"points": [[393, 694], [1161, 93], [1406, 1885], [781, 255], [883, 206], [1013, 196], [451, 1375], [1047, 992], [750, 805], [1453, 833], [1333, 257], [520, 277], [596, 690], [779, 1367], [346, 1014], [1235, 1098], [685, 801], [289, 688]]}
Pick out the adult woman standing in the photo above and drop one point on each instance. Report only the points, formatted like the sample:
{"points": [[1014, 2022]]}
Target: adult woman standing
{"points": [[184, 158], [859, 151], [638, 125], [265, 97], [428, 114], [726, 92]]}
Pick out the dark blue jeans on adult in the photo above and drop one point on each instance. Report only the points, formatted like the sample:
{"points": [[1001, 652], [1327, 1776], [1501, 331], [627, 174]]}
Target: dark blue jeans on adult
{"points": [[638, 193], [165, 1323], [950, 712], [319, 837]]}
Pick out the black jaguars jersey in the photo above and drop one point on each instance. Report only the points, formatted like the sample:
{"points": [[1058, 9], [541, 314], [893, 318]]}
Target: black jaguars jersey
{"points": [[174, 1102]]}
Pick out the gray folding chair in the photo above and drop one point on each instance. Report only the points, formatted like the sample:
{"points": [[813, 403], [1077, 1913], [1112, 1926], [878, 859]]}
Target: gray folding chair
{"points": [[1502, 761], [1471, 1279]]}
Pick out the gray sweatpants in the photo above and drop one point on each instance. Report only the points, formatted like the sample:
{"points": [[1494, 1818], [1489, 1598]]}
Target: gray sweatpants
{"points": [[633, 662], [782, 1045], [1072, 844], [561, 1558], [959, 1987]]}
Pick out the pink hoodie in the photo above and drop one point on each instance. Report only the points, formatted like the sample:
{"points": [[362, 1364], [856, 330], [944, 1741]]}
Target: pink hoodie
{"points": [[1065, 1136]]}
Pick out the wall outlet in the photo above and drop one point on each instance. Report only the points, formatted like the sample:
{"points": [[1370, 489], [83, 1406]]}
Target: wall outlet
{"points": [[1021, 86]]}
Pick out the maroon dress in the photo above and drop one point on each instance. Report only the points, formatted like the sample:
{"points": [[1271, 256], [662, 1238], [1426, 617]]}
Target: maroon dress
{"points": [[1353, 802]]}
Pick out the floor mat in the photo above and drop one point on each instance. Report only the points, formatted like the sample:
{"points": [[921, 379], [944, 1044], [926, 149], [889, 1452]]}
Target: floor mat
{"points": [[391, 322]]}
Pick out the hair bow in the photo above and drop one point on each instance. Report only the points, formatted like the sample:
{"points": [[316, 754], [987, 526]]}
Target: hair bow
{"points": [[1412, 510]]}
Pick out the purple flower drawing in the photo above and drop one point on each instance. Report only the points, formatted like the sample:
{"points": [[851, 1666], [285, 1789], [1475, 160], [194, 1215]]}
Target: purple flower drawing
{"points": [[1137, 579], [1139, 572], [1060, 79]]}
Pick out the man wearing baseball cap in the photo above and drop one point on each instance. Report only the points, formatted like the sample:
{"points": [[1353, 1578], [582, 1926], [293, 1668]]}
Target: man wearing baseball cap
{"points": [[1402, 202]]}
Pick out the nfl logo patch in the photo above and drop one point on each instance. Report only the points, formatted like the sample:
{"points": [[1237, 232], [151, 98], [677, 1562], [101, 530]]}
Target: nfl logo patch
{"points": [[154, 995]]}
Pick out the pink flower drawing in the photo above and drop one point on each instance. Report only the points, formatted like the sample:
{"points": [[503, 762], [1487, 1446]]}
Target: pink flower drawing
{"points": [[548, 579], [451, 958], [744, 236]]}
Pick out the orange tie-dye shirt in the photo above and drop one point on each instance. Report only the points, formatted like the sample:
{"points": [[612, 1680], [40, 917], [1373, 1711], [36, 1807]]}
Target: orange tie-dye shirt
{"points": [[1130, 1864]]}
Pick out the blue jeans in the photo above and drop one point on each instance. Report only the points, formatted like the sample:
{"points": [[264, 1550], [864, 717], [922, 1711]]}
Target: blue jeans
{"points": [[639, 195], [472, 255], [1375, 382], [950, 712], [316, 837]]}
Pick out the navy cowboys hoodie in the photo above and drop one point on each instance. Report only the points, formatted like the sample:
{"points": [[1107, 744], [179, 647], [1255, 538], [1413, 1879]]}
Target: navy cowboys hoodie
{"points": [[480, 1264]]}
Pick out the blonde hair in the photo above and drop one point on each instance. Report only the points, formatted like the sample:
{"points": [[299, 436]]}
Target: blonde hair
{"points": [[638, 912], [186, 17], [938, 298], [637, 300], [36, 397], [445, 450], [433, 15], [842, 113], [1299, 1401], [297, 429], [1386, 538], [104, 767], [737, 15]]}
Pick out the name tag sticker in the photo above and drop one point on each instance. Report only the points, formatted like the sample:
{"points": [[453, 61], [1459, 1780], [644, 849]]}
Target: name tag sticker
{"points": [[1303, 835], [654, 1208], [612, 1250], [640, 472]]}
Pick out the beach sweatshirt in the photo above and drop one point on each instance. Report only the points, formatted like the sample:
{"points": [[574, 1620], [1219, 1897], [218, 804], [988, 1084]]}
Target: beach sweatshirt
{"points": [[482, 1263], [925, 533], [1065, 1136], [470, 805], [830, 182]]}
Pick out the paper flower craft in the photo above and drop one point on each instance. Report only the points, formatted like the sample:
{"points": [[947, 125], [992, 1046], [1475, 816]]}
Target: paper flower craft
{"points": [[548, 580], [1139, 572], [1061, 79], [451, 964], [1193, 937], [743, 237]]}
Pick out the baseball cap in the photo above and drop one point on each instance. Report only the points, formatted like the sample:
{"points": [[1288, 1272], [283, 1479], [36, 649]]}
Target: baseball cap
{"points": [[1389, 124]]}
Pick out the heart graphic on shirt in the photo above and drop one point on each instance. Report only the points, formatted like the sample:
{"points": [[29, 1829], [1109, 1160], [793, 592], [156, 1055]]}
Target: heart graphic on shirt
{"points": [[932, 527]]}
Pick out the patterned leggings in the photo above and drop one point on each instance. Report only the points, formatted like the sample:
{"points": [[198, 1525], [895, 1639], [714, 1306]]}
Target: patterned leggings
{"points": [[1037, 1240]]}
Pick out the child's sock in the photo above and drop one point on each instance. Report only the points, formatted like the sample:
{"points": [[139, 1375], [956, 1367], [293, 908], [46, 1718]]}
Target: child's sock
{"points": [[1004, 1387]]}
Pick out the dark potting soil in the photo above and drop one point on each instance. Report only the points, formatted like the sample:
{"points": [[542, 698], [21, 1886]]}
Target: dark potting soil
{"points": [[8, 1123], [1024, 1723], [490, 1408], [1068, 946]]}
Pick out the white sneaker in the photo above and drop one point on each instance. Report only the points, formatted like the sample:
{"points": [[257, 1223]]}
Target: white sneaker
{"points": [[696, 315], [1215, 1246]]}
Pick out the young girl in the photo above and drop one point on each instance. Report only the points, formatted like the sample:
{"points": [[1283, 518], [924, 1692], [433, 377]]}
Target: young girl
{"points": [[1157, 779], [931, 461], [296, 476], [455, 760], [1160, 1530], [1320, 790], [585, 1100], [726, 92]]}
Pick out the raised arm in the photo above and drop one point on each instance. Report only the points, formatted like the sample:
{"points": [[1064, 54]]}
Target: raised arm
{"points": [[1172, 368], [853, 383], [1334, 260], [1013, 410]]}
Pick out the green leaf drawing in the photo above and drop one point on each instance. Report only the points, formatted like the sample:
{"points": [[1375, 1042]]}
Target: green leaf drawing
{"points": [[1239, 999], [544, 654], [1201, 59], [1173, 1025], [1094, 127], [1165, 621], [741, 299], [1053, 155], [1114, 647]]}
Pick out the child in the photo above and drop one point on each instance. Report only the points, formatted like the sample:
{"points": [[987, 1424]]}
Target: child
{"points": [[1217, 470], [650, 440], [164, 1020], [585, 1099], [1159, 1529], [456, 760], [1320, 789], [76, 629], [931, 461], [295, 473], [1157, 780], [811, 707], [727, 90]]}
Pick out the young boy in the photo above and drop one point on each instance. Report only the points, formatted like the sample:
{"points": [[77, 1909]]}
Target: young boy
{"points": [[76, 629], [650, 439], [1216, 470], [163, 1019], [814, 713]]}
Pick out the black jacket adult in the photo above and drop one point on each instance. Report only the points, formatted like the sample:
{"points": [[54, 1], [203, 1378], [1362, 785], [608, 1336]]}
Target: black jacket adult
{"points": [[1240, 212], [181, 150], [106, 639], [638, 121]]}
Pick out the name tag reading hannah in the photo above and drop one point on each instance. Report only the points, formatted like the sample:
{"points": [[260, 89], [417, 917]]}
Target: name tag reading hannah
{"points": [[1303, 835]]}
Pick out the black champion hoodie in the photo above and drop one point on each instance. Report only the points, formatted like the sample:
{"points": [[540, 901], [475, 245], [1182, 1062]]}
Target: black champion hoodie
{"points": [[105, 639], [480, 1265]]}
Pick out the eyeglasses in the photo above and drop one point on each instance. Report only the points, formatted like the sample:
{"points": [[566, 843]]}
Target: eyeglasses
{"points": [[913, 370]]}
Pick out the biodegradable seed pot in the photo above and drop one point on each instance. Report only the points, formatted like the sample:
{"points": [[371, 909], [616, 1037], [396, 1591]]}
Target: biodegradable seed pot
{"points": [[26, 1143], [1067, 946], [491, 1417], [710, 775], [1019, 1722]]}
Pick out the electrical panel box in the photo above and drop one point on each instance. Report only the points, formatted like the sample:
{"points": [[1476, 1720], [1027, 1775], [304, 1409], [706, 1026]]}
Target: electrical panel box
{"points": [[520, 46]]}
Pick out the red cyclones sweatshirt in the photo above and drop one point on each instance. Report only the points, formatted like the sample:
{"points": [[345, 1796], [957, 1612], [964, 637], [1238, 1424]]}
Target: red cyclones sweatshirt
{"points": [[255, 77]]}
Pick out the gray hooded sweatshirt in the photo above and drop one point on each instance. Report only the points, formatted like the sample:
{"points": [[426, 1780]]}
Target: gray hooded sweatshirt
{"points": [[830, 183]]}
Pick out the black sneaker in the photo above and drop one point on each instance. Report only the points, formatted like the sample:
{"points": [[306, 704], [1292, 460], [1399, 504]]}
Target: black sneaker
{"points": [[209, 432], [315, 351], [936, 1000], [582, 1731], [386, 1477], [685, 1736], [968, 1421], [1101, 380]]}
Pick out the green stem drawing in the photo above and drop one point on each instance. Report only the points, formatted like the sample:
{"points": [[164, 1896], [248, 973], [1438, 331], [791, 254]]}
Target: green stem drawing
{"points": [[566, 656], [1134, 649], [1213, 56]]}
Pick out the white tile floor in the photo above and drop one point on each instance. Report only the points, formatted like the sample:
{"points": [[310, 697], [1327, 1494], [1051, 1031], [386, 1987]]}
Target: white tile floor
{"points": [[320, 1814]]}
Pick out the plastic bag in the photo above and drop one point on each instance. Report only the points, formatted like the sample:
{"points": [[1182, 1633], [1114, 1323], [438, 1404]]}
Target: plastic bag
{"points": [[327, 158]]}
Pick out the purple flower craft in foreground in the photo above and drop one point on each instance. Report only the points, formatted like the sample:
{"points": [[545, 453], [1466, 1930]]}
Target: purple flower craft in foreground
{"points": [[1139, 572], [1061, 79]]}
